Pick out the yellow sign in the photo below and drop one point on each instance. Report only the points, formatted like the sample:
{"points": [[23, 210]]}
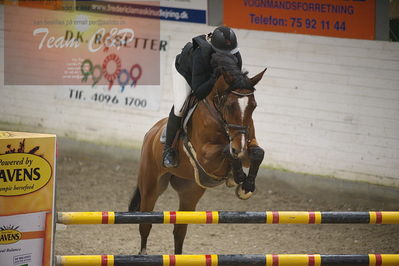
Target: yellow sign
{"points": [[22, 173], [9, 236], [27, 184]]}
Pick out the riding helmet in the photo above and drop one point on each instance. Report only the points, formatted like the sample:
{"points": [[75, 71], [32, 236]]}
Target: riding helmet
{"points": [[224, 40]]}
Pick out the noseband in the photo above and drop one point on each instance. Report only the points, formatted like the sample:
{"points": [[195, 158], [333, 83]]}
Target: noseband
{"points": [[218, 102]]}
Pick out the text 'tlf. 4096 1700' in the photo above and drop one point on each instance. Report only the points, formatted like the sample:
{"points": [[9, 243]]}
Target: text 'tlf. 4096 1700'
{"points": [[104, 98]]}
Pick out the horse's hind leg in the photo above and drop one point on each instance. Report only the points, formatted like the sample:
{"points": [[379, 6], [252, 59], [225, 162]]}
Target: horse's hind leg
{"points": [[150, 191], [189, 195]]}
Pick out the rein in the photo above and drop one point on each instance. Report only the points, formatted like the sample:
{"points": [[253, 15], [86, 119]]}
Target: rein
{"points": [[218, 115]]}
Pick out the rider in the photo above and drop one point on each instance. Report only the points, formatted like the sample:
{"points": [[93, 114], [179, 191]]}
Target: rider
{"points": [[194, 73]]}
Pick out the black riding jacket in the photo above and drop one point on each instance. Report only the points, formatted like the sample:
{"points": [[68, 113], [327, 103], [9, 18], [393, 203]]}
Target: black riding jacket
{"points": [[193, 63]]}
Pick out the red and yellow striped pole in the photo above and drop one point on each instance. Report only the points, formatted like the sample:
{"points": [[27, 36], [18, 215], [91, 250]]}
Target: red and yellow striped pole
{"points": [[293, 217], [187, 217], [384, 217], [237, 259], [383, 259], [86, 217], [222, 217], [85, 260], [190, 260], [293, 259]]}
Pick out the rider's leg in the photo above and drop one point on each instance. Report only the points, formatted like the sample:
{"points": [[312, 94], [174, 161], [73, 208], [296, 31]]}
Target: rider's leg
{"points": [[181, 90], [170, 156]]}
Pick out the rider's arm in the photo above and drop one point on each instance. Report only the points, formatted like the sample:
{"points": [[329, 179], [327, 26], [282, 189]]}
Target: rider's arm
{"points": [[238, 56]]}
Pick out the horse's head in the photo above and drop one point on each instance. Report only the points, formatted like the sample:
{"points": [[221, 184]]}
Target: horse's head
{"points": [[234, 99]]}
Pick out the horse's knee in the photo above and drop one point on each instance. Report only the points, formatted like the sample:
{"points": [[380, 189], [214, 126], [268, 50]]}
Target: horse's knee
{"points": [[256, 154]]}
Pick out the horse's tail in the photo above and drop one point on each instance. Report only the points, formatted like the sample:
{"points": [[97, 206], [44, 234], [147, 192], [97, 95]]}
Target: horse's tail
{"points": [[134, 205]]}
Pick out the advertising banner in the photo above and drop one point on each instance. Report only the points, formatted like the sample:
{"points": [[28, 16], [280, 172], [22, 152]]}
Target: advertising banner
{"points": [[336, 18], [27, 183], [52, 4], [101, 53], [176, 10], [184, 11]]}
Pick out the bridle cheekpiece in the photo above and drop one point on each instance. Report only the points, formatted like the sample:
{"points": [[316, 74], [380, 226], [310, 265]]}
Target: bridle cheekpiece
{"points": [[218, 102]]}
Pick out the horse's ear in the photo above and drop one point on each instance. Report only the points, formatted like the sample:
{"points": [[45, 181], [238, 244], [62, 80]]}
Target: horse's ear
{"points": [[226, 76], [257, 78]]}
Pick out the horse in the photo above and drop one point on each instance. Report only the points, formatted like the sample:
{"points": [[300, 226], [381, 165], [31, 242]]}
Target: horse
{"points": [[220, 141]]}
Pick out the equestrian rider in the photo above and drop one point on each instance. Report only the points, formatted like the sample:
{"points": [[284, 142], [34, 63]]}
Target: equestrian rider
{"points": [[194, 73]]}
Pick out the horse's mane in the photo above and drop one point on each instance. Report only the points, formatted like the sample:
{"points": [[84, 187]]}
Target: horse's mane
{"points": [[228, 64]]}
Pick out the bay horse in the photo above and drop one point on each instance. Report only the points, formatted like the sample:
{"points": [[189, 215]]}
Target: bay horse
{"points": [[221, 135]]}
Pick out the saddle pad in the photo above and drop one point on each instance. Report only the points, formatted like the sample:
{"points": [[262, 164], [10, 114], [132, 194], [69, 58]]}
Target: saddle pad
{"points": [[188, 116], [190, 112], [162, 138]]}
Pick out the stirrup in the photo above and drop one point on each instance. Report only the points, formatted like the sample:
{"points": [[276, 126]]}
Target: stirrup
{"points": [[170, 158]]}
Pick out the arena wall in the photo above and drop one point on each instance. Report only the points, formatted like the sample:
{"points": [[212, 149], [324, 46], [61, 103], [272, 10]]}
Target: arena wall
{"points": [[326, 106]]}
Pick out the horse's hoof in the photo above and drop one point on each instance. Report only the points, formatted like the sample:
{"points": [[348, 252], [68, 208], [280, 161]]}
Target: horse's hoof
{"points": [[240, 192], [143, 252], [230, 182]]}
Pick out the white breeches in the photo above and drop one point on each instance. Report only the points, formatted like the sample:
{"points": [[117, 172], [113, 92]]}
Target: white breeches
{"points": [[181, 90]]}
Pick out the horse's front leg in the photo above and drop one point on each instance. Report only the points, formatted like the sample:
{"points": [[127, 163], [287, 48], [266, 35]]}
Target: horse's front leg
{"points": [[238, 173], [256, 155]]}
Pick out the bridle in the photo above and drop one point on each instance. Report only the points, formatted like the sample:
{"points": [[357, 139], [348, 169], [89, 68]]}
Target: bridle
{"points": [[218, 102]]}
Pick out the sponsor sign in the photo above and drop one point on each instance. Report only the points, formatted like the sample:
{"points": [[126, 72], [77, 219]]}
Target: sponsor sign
{"points": [[110, 51], [71, 48], [45, 4], [26, 198], [337, 18], [22, 174], [182, 11]]}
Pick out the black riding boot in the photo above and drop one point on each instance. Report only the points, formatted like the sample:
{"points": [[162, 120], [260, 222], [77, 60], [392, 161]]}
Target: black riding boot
{"points": [[170, 155]]}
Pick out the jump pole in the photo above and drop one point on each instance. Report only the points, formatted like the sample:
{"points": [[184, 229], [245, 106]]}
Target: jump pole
{"points": [[228, 260], [229, 217]]}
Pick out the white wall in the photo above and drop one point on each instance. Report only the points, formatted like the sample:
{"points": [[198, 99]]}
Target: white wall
{"points": [[329, 106], [326, 106]]}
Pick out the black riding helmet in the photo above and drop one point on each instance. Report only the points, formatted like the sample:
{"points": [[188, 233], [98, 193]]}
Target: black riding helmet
{"points": [[224, 40]]}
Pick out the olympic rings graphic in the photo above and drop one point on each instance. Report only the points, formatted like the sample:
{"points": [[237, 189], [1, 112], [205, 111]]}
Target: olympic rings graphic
{"points": [[123, 75]]}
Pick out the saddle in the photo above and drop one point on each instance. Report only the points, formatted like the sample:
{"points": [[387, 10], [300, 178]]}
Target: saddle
{"points": [[202, 178], [187, 109]]}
